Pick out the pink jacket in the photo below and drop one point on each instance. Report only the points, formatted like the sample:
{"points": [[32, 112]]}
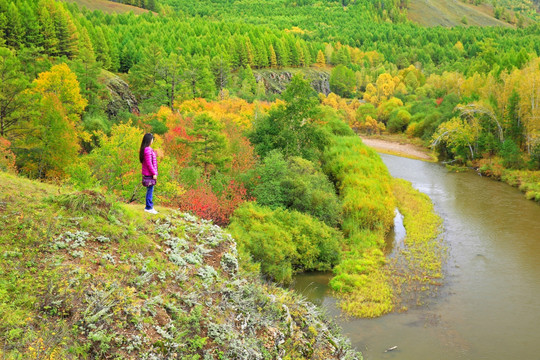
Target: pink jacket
{"points": [[149, 165]]}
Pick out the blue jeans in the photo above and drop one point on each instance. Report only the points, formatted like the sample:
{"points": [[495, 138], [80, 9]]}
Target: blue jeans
{"points": [[149, 194]]}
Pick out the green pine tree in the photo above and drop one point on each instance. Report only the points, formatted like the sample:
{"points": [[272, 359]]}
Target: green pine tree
{"points": [[14, 31], [101, 48], [50, 42], [200, 81], [209, 145], [171, 77], [14, 99], [221, 71], [273, 58]]}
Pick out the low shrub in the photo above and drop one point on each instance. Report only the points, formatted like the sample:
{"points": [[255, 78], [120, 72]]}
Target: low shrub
{"points": [[202, 201], [86, 201], [285, 241], [297, 184]]}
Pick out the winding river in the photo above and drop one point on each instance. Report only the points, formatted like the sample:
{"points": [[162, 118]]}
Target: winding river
{"points": [[489, 306]]}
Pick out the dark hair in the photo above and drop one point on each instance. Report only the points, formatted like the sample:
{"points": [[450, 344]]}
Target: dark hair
{"points": [[146, 141]]}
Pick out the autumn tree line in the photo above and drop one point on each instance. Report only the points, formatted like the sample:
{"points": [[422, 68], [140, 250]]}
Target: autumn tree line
{"points": [[287, 174], [398, 75]]}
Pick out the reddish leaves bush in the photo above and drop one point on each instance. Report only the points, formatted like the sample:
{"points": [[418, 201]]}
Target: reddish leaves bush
{"points": [[203, 202]]}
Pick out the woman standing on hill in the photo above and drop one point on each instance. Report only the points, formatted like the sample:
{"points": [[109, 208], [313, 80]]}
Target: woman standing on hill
{"points": [[148, 159]]}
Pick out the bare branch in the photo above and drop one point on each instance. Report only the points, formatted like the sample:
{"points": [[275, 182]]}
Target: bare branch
{"points": [[472, 109]]}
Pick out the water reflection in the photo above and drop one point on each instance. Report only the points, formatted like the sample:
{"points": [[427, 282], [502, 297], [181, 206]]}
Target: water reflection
{"points": [[394, 239], [489, 307]]}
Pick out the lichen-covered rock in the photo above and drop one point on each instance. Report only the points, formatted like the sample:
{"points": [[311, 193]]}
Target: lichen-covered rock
{"points": [[276, 81], [169, 287], [121, 99]]}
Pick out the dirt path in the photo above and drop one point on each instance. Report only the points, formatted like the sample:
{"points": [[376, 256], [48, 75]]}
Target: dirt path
{"points": [[395, 148]]}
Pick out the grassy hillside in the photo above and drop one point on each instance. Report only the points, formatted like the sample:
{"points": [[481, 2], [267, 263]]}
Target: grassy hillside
{"points": [[450, 13], [108, 6], [85, 277]]}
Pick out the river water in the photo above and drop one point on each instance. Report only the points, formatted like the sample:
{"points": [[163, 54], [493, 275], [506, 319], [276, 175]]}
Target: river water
{"points": [[489, 305]]}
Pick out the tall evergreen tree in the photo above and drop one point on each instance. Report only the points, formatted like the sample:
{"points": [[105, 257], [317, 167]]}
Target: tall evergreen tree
{"points": [[209, 143], [50, 42], [273, 58], [14, 31], [101, 48], [512, 119], [14, 99], [321, 59], [171, 77], [144, 75], [221, 70], [87, 70], [199, 78]]}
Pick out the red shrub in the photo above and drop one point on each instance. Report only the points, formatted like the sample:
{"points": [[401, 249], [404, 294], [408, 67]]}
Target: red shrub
{"points": [[7, 157], [203, 202]]}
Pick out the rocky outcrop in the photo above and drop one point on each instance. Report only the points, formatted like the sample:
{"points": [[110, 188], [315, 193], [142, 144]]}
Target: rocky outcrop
{"points": [[120, 96], [275, 81], [139, 287]]}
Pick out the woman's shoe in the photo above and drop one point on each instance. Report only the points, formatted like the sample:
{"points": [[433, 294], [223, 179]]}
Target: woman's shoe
{"points": [[151, 211]]}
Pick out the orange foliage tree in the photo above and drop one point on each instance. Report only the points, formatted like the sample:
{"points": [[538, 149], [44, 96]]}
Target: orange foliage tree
{"points": [[7, 157], [235, 110], [233, 118]]}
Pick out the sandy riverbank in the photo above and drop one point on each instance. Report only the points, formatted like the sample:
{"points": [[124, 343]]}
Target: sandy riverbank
{"points": [[396, 148]]}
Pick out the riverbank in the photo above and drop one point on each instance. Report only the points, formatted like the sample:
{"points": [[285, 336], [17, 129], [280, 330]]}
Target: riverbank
{"points": [[526, 181], [491, 234], [399, 146]]}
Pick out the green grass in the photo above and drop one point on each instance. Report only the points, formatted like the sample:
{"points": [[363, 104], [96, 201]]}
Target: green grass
{"points": [[364, 187], [85, 276], [108, 6], [528, 181], [416, 271], [367, 283]]}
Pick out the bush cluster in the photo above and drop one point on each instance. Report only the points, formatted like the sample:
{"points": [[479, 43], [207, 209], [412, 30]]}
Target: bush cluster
{"points": [[285, 241]]}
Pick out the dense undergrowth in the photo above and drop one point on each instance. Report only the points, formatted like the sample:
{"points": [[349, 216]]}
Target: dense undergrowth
{"points": [[526, 180], [364, 187], [285, 241], [85, 277]]}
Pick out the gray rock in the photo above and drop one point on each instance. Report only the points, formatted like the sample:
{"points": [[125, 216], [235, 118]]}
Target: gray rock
{"points": [[276, 81], [121, 98]]}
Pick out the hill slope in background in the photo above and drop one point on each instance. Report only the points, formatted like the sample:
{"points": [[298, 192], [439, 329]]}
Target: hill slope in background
{"points": [[108, 6], [82, 276], [450, 13]]}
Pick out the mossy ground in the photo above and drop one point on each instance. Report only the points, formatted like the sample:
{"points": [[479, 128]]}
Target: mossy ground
{"points": [[85, 277]]}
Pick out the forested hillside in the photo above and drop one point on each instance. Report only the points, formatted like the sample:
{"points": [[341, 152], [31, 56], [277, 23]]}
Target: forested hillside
{"points": [[244, 140]]}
